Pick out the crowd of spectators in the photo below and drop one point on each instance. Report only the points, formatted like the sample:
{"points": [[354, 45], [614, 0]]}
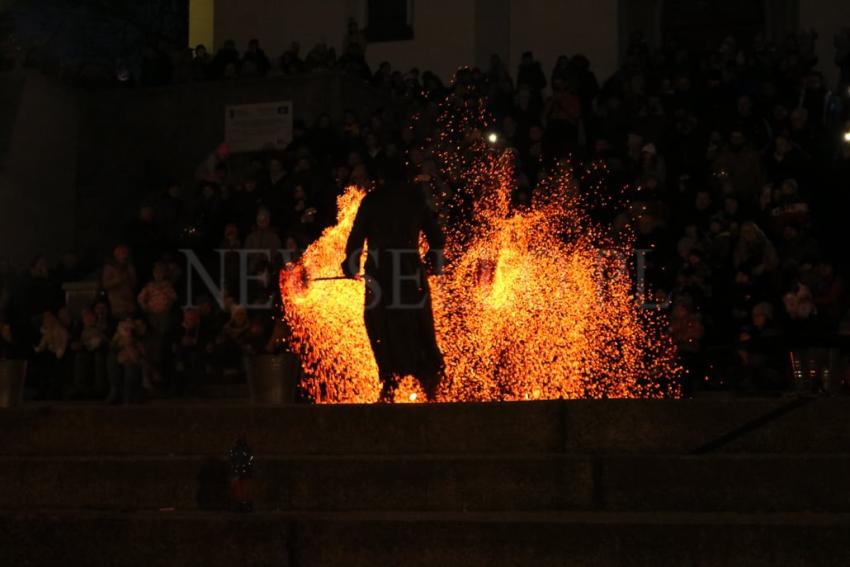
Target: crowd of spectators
{"points": [[736, 172], [198, 64]]}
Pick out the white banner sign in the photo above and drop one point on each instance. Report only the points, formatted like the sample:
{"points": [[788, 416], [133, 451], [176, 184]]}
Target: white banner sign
{"points": [[254, 127]]}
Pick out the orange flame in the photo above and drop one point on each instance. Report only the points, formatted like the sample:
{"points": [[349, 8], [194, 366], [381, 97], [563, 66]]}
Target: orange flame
{"points": [[533, 305]]}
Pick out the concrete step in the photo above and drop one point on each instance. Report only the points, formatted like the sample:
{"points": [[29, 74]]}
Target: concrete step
{"points": [[716, 483], [822, 426], [141, 540], [226, 391], [212, 428], [609, 426], [369, 540]]}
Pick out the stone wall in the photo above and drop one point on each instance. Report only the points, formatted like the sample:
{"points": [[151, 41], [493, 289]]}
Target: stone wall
{"points": [[38, 146], [77, 163], [134, 141]]}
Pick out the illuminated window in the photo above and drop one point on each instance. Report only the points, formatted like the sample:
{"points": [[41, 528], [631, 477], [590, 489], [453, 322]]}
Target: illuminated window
{"points": [[201, 21]]}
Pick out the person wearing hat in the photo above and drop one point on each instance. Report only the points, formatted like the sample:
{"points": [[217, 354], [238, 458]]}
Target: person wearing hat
{"points": [[397, 312]]}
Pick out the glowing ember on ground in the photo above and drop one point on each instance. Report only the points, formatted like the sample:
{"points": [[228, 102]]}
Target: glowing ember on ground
{"points": [[536, 304]]}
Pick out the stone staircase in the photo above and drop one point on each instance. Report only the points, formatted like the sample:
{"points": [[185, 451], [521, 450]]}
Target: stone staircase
{"points": [[615, 482]]}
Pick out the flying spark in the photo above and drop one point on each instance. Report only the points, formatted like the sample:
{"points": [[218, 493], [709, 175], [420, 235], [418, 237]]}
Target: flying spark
{"points": [[537, 303]]}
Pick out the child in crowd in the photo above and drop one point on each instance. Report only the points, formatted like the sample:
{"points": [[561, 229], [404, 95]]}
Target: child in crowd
{"points": [[126, 384], [90, 350], [52, 349], [156, 300], [9, 345], [191, 354], [229, 345]]}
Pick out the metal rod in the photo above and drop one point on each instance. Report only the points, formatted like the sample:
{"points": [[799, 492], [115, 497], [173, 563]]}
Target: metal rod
{"points": [[331, 278]]}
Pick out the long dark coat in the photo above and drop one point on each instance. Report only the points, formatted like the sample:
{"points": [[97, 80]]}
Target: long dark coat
{"points": [[397, 312]]}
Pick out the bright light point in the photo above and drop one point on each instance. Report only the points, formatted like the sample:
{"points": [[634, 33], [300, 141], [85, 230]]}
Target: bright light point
{"points": [[847, 136], [493, 138], [412, 397]]}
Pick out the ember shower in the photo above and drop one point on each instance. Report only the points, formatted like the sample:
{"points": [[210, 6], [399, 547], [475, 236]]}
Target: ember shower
{"points": [[533, 304]]}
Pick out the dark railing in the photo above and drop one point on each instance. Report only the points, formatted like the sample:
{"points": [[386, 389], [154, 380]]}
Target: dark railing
{"points": [[817, 363]]}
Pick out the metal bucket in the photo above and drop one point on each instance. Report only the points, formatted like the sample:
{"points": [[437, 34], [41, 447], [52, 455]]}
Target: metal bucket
{"points": [[272, 378], [12, 374]]}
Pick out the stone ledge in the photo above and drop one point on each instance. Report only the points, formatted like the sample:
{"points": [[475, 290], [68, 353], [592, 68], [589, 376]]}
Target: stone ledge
{"points": [[713, 483], [609, 426], [354, 540]]}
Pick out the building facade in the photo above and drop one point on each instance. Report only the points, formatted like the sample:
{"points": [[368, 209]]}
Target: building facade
{"points": [[445, 34]]}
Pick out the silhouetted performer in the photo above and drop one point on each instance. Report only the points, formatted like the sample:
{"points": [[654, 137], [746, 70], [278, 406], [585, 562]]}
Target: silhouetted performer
{"points": [[397, 310]]}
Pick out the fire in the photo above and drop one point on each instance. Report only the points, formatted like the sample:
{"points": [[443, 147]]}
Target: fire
{"points": [[537, 304], [327, 317], [409, 391]]}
